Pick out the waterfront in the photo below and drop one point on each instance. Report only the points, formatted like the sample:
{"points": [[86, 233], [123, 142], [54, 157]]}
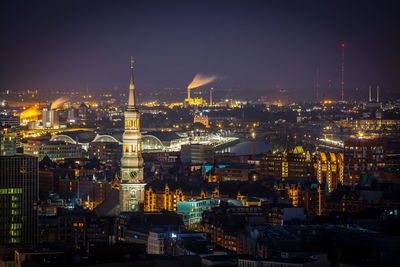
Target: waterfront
{"points": [[245, 147]]}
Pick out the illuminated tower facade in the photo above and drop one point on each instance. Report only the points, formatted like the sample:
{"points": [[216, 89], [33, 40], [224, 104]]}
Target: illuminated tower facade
{"points": [[330, 169], [131, 196]]}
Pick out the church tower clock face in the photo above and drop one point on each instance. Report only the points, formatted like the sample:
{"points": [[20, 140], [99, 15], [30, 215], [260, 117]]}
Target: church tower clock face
{"points": [[134, 174], [131, 184]]}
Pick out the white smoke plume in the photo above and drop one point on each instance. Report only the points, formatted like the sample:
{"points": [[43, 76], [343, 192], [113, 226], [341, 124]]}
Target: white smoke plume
{"points": [[200, 80], [58, 102]]}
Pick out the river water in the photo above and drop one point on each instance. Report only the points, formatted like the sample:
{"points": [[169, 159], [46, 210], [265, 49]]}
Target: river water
{"points": [[245, 147]]}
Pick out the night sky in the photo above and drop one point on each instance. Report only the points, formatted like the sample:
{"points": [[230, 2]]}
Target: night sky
{"points": [[257, 45]]}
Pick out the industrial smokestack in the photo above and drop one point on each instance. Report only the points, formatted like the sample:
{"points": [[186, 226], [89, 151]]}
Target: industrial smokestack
{"points": [[370, 96], [377, 94], [211, 90], [317, 83]]}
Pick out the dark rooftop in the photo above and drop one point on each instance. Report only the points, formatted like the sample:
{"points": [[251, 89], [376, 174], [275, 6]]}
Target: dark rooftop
{"points": [[163, 136], [81, 136]]}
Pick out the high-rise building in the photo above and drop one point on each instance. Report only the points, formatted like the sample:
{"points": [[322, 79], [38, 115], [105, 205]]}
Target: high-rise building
{"points": [[50, 119], [18, 197], [131, 196]]}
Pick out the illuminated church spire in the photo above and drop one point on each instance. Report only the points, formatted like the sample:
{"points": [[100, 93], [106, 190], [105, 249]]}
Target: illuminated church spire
{"points": [[131, 181], [132, 98]]}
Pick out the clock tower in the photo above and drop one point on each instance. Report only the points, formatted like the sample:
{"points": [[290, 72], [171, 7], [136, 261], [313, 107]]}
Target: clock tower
{"points": [[131, 196]]}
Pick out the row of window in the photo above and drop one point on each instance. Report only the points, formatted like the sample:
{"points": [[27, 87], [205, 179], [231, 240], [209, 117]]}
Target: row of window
{"points": [[9, 191], [132, 123], [132, 148]]}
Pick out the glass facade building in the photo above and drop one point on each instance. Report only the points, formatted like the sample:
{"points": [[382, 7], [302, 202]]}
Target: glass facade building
{"points": [[18, 200]]}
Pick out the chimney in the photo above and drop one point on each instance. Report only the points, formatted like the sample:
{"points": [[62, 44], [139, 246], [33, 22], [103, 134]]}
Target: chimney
{"points": [[370, 97], [377, 94]]}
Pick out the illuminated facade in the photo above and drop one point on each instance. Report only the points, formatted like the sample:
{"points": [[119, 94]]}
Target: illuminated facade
{"points": [[310, 197], [167, 198], [330, 169], [362, 157], [50, 119], [132, 187], [195, 102], [297, 164], [192, 210], [201, 119]]}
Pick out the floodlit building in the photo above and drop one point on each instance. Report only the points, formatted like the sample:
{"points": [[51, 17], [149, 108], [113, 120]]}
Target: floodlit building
{"points": [[192, 210], [162, 196], [330, 169], [201, 119], [132, 187], [297, 164], [361, 157], [50, 119]]}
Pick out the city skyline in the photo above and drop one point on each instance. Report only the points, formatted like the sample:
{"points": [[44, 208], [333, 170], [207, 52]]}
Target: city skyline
{"points": [[199, 133], [257, 46]]}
